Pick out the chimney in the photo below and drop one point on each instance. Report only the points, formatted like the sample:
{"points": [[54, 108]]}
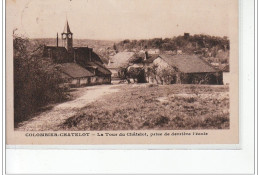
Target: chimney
{"points": [[57, 40], [145, 55]]}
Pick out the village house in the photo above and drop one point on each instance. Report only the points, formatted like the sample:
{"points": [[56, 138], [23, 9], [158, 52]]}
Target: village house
{"points": [[80, 65], [181, 69], [119, 61]]}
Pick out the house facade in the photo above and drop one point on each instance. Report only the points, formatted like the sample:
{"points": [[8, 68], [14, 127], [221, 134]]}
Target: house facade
{"points": [[79, 65]]}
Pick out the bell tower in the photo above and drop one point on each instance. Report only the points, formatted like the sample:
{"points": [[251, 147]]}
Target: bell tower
{"points": [[67, 37]]}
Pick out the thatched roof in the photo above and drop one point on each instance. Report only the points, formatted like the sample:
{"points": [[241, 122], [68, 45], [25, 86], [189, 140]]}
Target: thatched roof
{"points": [[188, 63]]}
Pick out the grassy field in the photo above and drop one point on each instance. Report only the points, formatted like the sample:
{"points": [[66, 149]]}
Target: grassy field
{"points": [[167, 107]]}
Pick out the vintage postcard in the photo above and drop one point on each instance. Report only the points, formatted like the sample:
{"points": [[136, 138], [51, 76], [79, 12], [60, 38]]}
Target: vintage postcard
{"points": [[88, 72]]}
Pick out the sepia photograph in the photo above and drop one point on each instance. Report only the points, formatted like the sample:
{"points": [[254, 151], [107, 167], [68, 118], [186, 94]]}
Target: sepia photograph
{"points": [[126, 66]]}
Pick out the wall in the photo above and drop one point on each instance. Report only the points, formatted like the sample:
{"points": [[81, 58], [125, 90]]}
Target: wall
{"points": [[226, 78], [83, 81]]}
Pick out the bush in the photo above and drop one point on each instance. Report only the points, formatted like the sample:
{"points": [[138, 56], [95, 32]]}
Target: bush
{"points": [[36, 80]]}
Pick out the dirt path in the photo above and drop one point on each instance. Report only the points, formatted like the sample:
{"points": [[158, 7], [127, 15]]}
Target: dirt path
{"points": [[51, 119]]}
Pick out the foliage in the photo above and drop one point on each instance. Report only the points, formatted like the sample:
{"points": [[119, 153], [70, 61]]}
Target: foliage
{"points": [[36, 80], [191, 44], [166, 75], [136, 73]]}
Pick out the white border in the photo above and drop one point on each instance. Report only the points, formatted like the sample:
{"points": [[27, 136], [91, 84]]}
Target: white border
{"points": [[2, 89], [160, 161]]}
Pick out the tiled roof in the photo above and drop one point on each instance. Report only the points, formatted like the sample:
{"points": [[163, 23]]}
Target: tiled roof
{"points": [[188, 63], [75, 71]]}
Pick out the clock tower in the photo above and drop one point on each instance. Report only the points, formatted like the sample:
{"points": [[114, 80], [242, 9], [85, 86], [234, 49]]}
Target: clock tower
{"points": [[67, 37]]}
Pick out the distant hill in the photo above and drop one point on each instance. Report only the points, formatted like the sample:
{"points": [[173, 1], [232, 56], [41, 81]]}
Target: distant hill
{"points": [[77, 42], [188, 44]]}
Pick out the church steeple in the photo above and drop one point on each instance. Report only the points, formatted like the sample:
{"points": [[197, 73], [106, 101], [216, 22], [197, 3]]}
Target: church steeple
{"points": [[66, 27], [67, 37]]}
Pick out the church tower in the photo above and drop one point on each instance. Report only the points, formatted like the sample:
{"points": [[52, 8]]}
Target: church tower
{"points": [[67, 37]]}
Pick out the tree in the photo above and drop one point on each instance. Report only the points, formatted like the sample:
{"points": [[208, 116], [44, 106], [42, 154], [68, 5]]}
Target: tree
{"points": [[36, 80], [137, 73]]}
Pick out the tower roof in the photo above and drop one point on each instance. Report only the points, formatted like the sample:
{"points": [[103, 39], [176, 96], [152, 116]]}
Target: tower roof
{"points": [[67, 27]]}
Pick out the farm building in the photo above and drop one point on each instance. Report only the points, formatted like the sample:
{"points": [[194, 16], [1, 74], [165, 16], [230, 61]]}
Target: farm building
{"points": [[118, 61], [81, 66], [183, 69]]}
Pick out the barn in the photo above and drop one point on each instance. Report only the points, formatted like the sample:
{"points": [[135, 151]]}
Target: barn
{"points": [[182, 69]]}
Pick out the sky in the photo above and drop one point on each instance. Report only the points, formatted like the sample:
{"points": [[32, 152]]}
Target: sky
{"points": [[120, 19]]}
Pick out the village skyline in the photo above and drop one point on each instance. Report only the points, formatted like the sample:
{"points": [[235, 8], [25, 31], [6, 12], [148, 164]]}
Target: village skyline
{"points": [[116, 20], [121, 39]]}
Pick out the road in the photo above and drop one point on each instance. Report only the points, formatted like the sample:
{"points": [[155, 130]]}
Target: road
{"points": [[51, 119]]}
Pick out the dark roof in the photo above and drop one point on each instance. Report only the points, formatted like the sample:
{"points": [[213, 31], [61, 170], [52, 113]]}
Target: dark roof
{"points": [[55, 48], [58, 54], [188, 63], [75, 71], [99, 67], [66, 27], [61, 55]]}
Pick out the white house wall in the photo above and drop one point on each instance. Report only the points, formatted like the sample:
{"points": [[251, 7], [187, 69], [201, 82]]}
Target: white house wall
{"points": [[226, 78]]}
